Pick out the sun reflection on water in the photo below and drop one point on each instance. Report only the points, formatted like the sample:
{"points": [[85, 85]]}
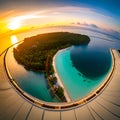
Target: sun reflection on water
{"points": [[14, 40]]}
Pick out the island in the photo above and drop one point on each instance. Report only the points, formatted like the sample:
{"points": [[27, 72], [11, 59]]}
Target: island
{"points": [[36, 53]]}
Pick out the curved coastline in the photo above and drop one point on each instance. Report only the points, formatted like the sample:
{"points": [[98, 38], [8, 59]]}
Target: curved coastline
{"points": [[62, 106], [66, 94], [93, 93]]}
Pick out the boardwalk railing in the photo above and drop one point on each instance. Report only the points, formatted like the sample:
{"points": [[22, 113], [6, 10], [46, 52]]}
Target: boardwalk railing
{"points": [[65, 105]]}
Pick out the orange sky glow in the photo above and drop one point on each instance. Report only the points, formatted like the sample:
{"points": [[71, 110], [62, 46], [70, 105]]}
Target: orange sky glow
{"points": [[14, 20]]}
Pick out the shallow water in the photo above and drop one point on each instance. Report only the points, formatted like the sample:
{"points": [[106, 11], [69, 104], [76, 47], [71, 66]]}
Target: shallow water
{"points": [[34, 83], [82, 69]]}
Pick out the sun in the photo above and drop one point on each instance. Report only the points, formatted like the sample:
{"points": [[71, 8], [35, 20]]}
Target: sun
{"points": [[14, 25]]}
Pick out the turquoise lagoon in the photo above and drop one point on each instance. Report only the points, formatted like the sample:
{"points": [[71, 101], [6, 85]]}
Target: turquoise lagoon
{"points": [[33, 83], [81, 68], [78, 84]]}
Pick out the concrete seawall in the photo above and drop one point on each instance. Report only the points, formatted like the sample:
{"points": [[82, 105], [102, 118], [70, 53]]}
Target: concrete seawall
{"points": [[61, 106]]}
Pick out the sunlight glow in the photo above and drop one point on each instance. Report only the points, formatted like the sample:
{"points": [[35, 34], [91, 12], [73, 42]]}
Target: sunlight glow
{"points": [[14, 25], [14, 40], [59, 16], [17, 22]]}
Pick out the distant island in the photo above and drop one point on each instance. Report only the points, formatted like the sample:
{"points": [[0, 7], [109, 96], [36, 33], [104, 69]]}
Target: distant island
{"points": [[36, 53]]}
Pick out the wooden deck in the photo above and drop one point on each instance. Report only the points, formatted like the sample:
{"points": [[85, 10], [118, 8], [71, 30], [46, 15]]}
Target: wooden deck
{"points": [[105, 106]]}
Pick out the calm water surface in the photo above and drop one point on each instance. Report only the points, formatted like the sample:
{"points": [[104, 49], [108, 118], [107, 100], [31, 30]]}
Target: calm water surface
{"points": [[81, 68]]}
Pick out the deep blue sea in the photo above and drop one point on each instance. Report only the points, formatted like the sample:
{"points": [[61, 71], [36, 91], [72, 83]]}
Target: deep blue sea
{"points": [[81, 68]]}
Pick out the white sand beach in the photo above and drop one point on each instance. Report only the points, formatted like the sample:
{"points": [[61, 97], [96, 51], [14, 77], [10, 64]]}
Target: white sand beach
{"points": [[60, 82]]}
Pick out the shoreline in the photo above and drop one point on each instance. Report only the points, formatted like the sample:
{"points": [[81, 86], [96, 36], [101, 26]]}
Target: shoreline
{"points": [[72, 104], [66, 94]]}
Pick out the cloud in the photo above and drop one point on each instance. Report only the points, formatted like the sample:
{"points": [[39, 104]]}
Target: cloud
{"points": [[85, 24], [90, 25], [93, 25], [78, 16], [115, 33], [78, 23]]}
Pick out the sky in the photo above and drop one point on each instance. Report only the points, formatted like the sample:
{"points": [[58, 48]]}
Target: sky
{"points": [[95, 14]]}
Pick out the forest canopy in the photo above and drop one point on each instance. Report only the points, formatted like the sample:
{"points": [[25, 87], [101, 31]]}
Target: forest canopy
{"points": [[36, 52]]}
